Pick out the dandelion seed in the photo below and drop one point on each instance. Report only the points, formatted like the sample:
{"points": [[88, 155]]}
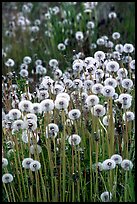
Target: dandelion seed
{"points": [[122, 73]]}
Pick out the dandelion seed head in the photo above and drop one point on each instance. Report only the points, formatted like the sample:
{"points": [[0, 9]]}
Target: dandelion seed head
{"points": [[26, 163], [74, 139], [98, 110], [106, 196], [117, 158], [4, 162], [127, 165], [35, 165], [108, 164], [7, 178]]}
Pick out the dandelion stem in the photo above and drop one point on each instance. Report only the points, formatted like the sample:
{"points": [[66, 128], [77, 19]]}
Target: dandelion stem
{"points": [[6, 192]]}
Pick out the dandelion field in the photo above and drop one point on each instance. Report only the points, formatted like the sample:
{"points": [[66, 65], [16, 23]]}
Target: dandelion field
{"points": [[68, 102]]}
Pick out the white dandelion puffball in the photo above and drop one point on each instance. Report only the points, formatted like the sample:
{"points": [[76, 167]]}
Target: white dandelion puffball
{"points": [[61, 103], [74, 139], [132, 64], [7, 178], [99, 55], [128, 48], [31, 116], [98, 166], [35, 165], [119, 48], [98, 110], [125, 99], [47, 105], [122, 72], [106, 120], [10, 63], [79, 35], [14, 114], [53, 63], [106, 196], [110, 82], [27, 60], [108, 91], [127, 164], [112, 66], [4, 162], [63, 95], [36, 108], [18, 125], [51, 130], [61, 46], [25, 106], [74, 114], [24, 73], [26, 163], [35, 148], [128, 116], [97, 88], [108, 164], [127, 83], [92, 100], [117, 158], [30, 124], [116, 35]]}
